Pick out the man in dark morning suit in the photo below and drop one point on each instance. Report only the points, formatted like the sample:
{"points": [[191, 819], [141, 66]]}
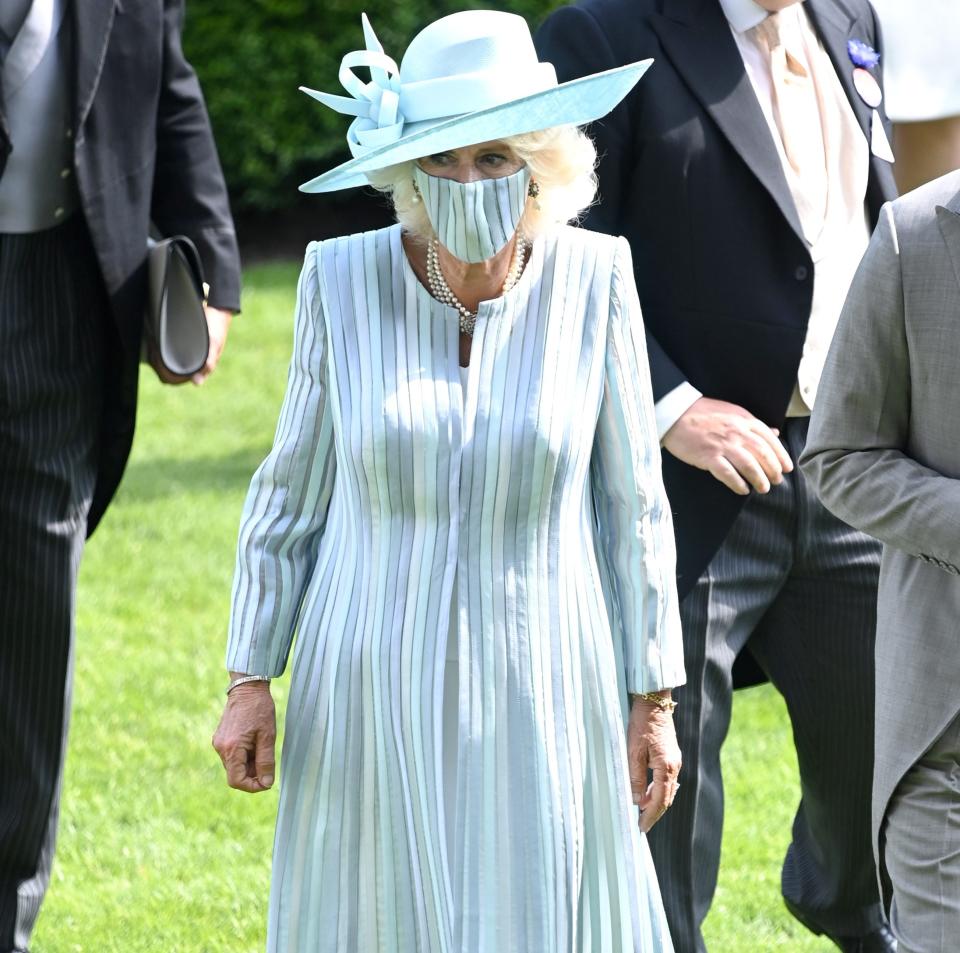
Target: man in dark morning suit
{"points": [[102, 129], [747, 170]]}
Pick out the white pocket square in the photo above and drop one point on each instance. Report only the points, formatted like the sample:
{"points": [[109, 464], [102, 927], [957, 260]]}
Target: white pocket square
{"points": [[879, 143]]}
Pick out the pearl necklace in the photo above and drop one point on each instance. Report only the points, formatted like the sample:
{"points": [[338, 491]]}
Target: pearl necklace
{"points": [[443, 293]]}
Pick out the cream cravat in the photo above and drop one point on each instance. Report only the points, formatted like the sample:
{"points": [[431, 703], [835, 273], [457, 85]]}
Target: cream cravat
{"points": [[796, 109]]}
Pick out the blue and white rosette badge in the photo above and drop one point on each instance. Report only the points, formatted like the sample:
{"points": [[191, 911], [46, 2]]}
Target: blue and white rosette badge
{"points": [[864, 58], [862, 54]]}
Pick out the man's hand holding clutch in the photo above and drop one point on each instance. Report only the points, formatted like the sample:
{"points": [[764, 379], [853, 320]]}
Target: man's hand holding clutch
{"points": [[218, 325]]}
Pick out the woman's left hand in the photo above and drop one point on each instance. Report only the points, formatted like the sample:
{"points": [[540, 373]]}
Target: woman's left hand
{"points": [[652, 745]]}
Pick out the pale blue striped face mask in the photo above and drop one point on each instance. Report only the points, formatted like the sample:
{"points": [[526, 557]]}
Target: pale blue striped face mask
{"points": [[473, 220]]}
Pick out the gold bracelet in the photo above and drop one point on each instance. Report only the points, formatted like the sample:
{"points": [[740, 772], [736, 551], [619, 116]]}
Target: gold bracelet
{"points": [[655, 698]]}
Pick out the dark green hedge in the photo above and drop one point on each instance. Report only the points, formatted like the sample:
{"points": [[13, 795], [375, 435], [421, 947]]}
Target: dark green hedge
{"points": [[252, 55]]}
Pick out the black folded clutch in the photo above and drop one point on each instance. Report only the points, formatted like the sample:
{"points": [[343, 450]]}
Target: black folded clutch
{"points": [[175, 328]]}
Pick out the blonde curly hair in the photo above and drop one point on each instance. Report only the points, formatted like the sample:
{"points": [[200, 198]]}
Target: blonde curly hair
{"points": [[561, 160]]}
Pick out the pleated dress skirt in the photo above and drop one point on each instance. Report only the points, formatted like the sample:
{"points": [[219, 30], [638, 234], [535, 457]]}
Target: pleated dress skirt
{"points": [[424, 865]]}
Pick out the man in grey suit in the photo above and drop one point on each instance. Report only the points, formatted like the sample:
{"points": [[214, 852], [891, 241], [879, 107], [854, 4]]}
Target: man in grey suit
{"points": [[884, 455]]}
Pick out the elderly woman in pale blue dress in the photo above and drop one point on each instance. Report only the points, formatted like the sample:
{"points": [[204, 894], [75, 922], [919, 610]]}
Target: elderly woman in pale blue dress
{"points": [[462, 520]]}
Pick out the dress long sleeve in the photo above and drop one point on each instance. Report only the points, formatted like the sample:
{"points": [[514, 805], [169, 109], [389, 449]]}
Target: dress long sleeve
{"points": [[286, 506], [635, 528]]}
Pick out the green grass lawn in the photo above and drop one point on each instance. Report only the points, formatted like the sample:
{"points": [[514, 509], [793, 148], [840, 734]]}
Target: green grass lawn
{"points": [[156, 855]]}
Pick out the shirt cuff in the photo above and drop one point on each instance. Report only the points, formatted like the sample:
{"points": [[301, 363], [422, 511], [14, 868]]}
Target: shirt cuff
{"points": [[673, 405]]}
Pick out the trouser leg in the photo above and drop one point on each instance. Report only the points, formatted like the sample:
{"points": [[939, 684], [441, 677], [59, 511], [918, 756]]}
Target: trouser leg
{"points": [[35, 670], [817, 645], [52, 310], [718, 617], [921, 834]]}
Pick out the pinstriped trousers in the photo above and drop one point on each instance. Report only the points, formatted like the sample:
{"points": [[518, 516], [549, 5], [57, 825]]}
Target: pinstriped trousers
{"points": [[799, 587], [52, 313]]}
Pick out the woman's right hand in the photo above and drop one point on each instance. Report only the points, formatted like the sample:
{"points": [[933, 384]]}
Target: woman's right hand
{"points": [[246, 737]]}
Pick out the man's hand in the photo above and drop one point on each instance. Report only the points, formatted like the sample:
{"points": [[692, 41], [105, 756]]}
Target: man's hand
{"points": [[733, 445], [218, 325], [246, 738], [652, 747]]}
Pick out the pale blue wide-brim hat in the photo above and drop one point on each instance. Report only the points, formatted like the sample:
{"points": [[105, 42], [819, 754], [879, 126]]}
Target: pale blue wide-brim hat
{"points": [[468, 77]]}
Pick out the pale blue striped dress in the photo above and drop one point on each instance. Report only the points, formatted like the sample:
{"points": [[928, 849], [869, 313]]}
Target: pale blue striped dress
{"points": [[536, 486]]}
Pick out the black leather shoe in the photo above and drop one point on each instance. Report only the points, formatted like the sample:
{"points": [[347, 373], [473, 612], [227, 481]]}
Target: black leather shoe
{"points": [[880, 940]]}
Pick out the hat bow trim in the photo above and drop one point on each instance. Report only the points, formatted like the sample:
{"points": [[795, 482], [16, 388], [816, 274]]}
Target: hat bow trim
{"points": [[376, 105]]}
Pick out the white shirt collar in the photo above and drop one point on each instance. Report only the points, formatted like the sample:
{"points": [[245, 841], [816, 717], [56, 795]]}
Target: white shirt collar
{"points": [[743, 14]]}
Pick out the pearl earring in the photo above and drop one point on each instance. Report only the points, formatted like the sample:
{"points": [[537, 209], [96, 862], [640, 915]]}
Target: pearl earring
{"points": [[416, 192]]}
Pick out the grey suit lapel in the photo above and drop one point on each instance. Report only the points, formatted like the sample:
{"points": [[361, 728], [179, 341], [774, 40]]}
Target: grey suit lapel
{"points": [[31, 43], [696, 38], [29, 26], [92, 25], [948, 218], [12, 15]]}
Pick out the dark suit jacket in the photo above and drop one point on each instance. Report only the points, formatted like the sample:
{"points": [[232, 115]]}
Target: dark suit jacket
{"points": [[690, 175], [143, 151]]}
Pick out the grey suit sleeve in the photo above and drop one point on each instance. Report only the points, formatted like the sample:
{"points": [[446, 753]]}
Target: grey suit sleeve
{"points": [[856, 454]]}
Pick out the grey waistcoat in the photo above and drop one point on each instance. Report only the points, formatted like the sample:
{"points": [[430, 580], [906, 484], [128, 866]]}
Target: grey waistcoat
{"points": [[37, 188]]}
